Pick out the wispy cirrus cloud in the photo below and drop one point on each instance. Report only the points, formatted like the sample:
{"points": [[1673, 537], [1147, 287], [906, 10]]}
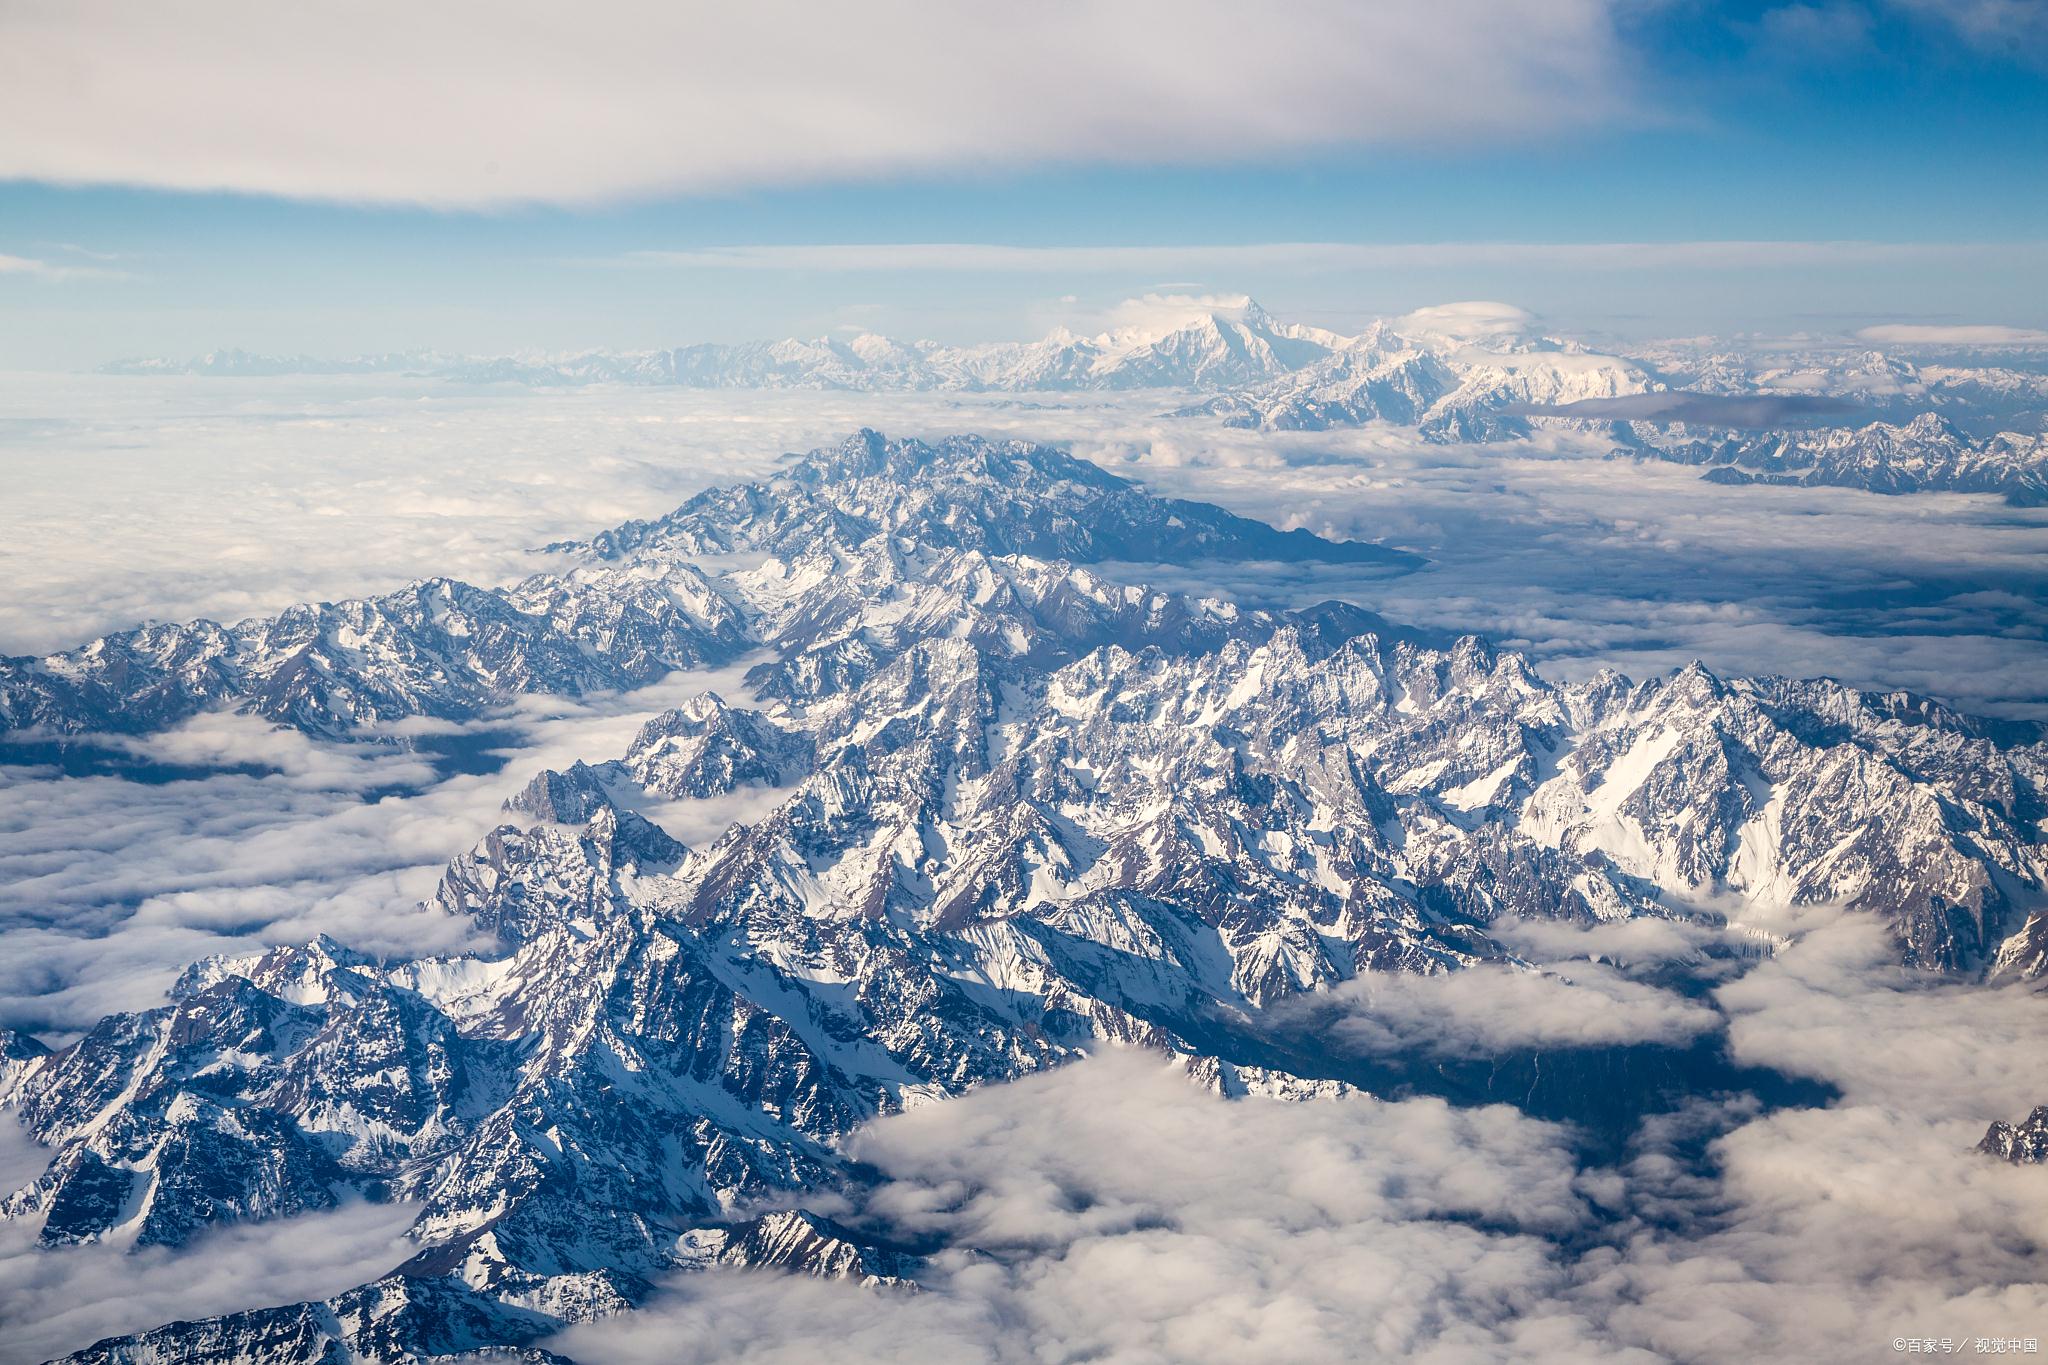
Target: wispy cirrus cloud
{"points": [[51, 272], [1312, 256], [488, 104], [2018, 28]]}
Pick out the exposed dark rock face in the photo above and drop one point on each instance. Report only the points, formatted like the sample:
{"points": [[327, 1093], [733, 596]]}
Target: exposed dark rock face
{"points": [[2023, 1144]]}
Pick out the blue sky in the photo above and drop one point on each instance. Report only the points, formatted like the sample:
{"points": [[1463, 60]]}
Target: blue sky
{"points": [[305, 184]]}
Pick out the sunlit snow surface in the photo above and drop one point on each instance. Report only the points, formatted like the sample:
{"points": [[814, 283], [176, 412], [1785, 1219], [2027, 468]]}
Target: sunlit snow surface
{"points": [[176, 497], [171, 498]]}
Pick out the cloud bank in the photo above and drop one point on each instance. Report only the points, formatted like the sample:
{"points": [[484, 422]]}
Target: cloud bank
{"points": [[490, 104], [1121, 1214]]}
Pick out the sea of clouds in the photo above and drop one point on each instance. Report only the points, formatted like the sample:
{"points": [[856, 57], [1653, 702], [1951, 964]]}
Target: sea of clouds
{"points": [[1111, 1211], [183, 497]]}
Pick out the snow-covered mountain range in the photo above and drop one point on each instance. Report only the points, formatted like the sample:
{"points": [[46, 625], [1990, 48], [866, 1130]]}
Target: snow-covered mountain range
{"points": [[1926, 454], [1015, 811], [1461, 373], [1232, 344]]}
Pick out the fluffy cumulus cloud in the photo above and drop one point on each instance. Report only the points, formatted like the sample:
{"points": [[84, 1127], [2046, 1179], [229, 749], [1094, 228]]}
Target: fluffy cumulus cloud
{"points": [[1490, 1010], [496, 104], [1826, 1233], [1114, 1212], [1474, 320], [1840, 1010], [1629, 943]]}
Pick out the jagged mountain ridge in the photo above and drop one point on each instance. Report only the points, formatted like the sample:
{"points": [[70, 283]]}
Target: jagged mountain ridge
{"points": [[1448, 386], [1276, 374], [1001, 498], [1981, 390], [1226, 343], [448, 649], [1953, 421], [1032, 812], [2023, 1144], [1927, 453], [437, 647]]}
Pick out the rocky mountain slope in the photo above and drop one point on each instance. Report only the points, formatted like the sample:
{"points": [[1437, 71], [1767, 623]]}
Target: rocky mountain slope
{"points": [[1018, 812]]}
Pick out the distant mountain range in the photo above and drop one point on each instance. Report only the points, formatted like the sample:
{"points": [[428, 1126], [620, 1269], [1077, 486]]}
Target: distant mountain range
{"points": [[1459, 373], [1018, 811], [1925, 454], [1212, 350]]}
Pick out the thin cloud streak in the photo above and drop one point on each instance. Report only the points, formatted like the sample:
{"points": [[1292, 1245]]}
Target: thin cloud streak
{"points": [[1965, 334], [1307, 256], [28, 267]]}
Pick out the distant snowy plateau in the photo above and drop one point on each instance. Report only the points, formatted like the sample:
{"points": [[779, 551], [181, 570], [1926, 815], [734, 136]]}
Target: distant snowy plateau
{"points": [[1015, 812], [1949, 419]]}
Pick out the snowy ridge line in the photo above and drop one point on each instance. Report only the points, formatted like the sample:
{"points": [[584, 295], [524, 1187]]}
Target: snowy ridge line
{"points": [[1019, 813]]}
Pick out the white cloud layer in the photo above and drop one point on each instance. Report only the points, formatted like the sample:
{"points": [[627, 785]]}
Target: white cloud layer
{"points": [[1489, 1010], [471, 103], [108, 887], [1967, 334], [1124, 1215], [52, 1302], [1841, 1010], [1241, 258], [1110, 1211], [223, 498]]}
